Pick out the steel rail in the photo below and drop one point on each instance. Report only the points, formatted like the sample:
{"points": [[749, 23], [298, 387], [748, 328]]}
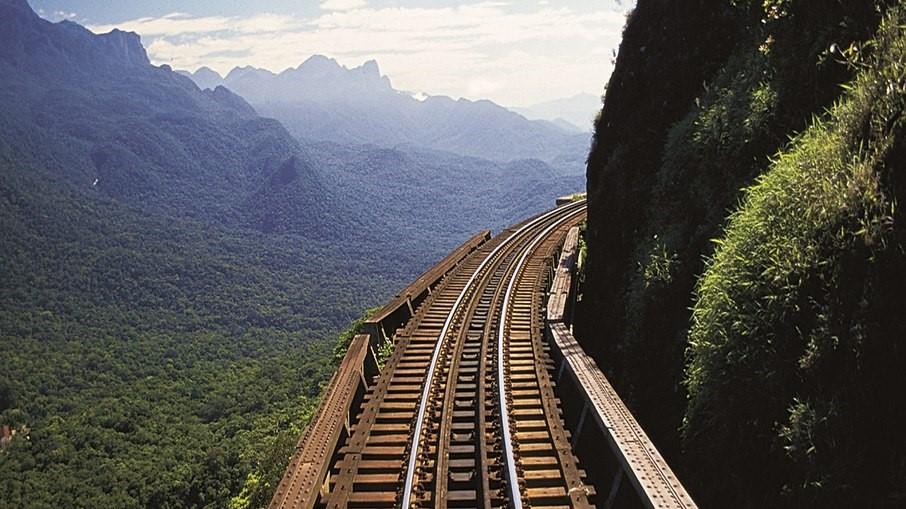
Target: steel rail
{"points": [[429, 377], [509, 456]]}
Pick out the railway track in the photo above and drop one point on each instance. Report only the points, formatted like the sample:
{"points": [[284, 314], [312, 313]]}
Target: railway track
{"points": [[463, 412]]}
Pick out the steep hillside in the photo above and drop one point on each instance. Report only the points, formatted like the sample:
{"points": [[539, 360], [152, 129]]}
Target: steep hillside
{"points": [[92, 111], [323, 101], [799, 317], [628, 146], [787, 337]]}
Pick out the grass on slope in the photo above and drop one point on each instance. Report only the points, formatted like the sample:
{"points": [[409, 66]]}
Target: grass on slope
{"points": [[798, 319]]}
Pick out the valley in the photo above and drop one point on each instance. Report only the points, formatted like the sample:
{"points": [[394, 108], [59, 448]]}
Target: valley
{"points": [[176, 267]]}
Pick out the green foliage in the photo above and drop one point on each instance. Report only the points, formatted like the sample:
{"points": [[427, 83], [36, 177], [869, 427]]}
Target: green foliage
{"points": [[660, 266], [385, 350], [244, 499], [277, 449], [156, 361], [345, 338], [583, 247], [792, 333]]}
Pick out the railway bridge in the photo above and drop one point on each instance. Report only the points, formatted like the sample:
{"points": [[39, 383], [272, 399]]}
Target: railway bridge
{"points": [[487, 400]]}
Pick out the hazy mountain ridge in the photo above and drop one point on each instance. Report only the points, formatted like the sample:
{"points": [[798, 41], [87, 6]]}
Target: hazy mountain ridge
{"points": [[150, 137], [138, 325], [400, 182], [576, 112], [323, 101]]}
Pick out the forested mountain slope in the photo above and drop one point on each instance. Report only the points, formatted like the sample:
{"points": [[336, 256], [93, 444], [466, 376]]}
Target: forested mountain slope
{"points": [[324, 101], [90, 110], [435, 197], [153, 354], [758, 360], [175, 266]]}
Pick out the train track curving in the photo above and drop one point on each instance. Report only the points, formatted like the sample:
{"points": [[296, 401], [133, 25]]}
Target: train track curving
{"points": [[463, 413]]}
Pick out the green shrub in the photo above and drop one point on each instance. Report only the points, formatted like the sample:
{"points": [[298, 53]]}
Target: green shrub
{"points": [[350, 332], [660, 266]]}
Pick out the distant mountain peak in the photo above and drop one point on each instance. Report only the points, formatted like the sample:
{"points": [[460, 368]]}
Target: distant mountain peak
{"points": [[321, 66], [126, 46], [319, 63], [239, 72], [370, 69], [319, 78], [204, 77], [207, 71], [228, 99]]}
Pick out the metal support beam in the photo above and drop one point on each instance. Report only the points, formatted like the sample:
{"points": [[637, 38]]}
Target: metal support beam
{"points": [[578, 430], [614, 489]]}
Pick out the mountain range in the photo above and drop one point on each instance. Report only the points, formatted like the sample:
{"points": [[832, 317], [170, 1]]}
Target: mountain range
{"points": [[325, 101], [149, 137]]}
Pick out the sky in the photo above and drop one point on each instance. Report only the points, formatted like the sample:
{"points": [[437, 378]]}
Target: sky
{"points": [[514, 52]]}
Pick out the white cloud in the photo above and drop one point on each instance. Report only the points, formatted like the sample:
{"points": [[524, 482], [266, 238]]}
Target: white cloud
{"points": [[482, 88], [515, 56], [177, 24], [61, 15], [342, 5]]}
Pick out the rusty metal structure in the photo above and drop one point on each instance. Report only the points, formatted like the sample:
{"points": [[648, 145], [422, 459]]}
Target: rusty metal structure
{"points": [[468, 410]]}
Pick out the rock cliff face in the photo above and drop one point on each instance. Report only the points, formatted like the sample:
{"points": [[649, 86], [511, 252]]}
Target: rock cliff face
{"points": [[125, 47], [669, 51], [704, 95], [36, 44]]}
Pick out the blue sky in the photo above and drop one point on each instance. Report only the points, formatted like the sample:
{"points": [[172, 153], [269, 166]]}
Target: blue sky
{"points": [[516, 52]]}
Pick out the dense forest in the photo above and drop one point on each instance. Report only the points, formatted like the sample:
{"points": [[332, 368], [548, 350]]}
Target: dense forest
{"points": [[158, 363], [746, 263]]}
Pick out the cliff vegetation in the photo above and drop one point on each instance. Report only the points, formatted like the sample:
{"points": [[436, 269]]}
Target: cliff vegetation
{"points": [[746, 265]]}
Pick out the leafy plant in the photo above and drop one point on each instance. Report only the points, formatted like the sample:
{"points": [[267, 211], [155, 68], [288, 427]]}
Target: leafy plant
{"points": [[660, 265]]}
